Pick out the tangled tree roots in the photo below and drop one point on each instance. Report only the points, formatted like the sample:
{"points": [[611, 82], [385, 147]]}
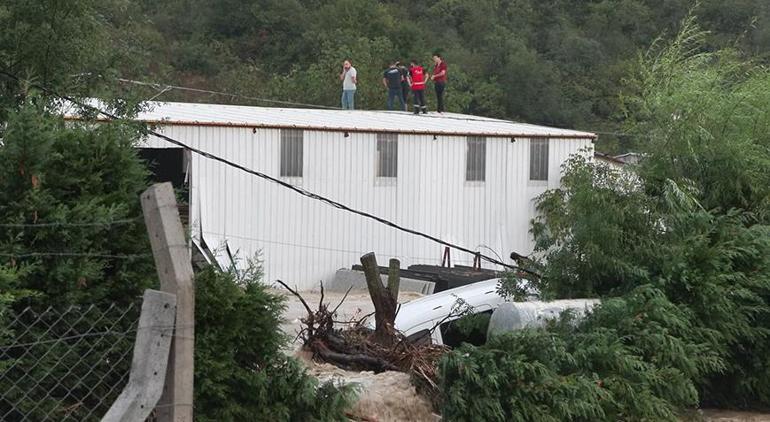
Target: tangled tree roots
{"points": [[357, 347]]}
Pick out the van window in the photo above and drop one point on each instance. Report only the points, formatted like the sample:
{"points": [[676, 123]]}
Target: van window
{"points": [[468, 329], [419, 338]]}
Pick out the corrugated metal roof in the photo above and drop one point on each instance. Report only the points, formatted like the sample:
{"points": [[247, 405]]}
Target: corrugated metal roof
{"points": [[172, 113]]}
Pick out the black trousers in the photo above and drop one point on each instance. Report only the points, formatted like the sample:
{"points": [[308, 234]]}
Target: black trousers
{"points": [[419, 99], [440, 95]]}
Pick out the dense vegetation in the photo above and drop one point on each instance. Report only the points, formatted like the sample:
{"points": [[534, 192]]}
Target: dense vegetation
{"points": [[241, 372], [72, 234], [680, 253], [556, 62], [65, 177]]}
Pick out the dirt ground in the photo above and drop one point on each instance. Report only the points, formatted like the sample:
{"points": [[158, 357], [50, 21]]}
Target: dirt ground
{"points": [[389, 396]]}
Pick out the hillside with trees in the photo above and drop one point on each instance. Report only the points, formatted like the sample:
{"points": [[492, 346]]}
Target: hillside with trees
{"points": [[553, 62], [679, 254]]}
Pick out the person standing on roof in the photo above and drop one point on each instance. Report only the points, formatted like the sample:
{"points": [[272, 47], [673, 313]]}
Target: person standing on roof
{"points": [[404, 84], [391, 78], [349, 81], [439, 80], [417, 82]]}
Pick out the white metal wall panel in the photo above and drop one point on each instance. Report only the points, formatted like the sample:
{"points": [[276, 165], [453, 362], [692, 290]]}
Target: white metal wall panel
{"points": [[303, 241]]}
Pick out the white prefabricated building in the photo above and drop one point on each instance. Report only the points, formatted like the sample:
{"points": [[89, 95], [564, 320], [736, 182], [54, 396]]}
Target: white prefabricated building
{"points": [[465, 179]]}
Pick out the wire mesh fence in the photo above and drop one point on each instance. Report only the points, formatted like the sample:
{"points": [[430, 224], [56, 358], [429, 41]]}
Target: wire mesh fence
{"points": [[65, 364]]}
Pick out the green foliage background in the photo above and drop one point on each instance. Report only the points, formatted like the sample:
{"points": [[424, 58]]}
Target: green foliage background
{"points": [[679, 254], [678, 247], [56, 171], [554, 62]]}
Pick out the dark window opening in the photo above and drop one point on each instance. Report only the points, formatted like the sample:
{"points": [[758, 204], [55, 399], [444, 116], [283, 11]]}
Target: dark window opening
{"points": [[166, 165], [170, 165], [419, 338], [470, 329]]}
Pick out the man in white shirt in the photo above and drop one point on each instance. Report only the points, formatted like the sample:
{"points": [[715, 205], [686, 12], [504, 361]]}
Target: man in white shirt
{"points": [[349, 80]]}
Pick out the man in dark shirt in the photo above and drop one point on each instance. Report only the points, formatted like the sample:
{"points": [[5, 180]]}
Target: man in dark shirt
{"points": [[439, 80], [404, 84], [391, 78]]}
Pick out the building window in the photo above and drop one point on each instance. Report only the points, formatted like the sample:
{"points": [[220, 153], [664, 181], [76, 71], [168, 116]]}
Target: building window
{"points": [[291, 153], [476, 159], [387, 155], [538, 159]]}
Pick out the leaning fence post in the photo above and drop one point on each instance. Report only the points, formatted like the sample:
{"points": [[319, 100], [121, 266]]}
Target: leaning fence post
{"points": [[150, 360], [172, 261]]}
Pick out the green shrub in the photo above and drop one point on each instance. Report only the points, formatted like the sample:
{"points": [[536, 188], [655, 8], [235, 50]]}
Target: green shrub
{"points": [[241, 371], [52, 172], [63, 174], [637, 370], [678, 249]]}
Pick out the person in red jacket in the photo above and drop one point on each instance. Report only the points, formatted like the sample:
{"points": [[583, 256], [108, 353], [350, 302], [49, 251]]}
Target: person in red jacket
{"points": [[439, 80], [417, 82]]}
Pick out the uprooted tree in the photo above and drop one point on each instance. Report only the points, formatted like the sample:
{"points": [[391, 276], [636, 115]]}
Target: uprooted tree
{"points": [[354, 345], [385, 298]]}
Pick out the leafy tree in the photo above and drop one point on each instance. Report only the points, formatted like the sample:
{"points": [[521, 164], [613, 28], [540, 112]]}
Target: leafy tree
{"points": [[701, 113], [241, 371], [556, 62], [75, 47], [71, 235], [679, 254], [57, 173]]}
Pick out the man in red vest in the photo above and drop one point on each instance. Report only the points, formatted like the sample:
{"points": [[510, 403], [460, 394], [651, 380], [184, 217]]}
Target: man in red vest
{"points": [[417, 82]]}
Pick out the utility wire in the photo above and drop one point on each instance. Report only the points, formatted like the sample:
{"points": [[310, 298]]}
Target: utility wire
{"points": [[163, 88], [71, 224], [286, 185], [74, 255], [160, 327], [320, 248], [166, 87]]}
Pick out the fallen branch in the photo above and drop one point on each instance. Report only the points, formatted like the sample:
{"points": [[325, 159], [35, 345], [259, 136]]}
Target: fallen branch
{"points": [[358, 347]]}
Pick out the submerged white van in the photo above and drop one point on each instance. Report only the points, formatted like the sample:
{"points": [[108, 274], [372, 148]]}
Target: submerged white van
{"points": [[430, 318]]}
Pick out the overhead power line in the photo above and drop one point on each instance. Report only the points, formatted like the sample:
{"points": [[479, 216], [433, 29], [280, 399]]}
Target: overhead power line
{"points": [[164, 87], [74, 255], [167, 87], [72, 224], [286, 185]]}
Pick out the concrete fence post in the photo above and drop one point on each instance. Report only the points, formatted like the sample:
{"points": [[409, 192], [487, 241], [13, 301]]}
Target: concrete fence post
{"points": [[150, 360], [172, 261]]}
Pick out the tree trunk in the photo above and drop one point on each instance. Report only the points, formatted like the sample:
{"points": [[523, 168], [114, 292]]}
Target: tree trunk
{"points": [[385, 299]]}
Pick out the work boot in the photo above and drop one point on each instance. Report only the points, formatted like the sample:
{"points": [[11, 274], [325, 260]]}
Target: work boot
{"points": [[416, 110], [425, 110]]}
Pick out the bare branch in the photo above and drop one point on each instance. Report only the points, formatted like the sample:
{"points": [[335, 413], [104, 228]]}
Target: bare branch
{"points": [[321, 300], [295, 293], [343, 300]]}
